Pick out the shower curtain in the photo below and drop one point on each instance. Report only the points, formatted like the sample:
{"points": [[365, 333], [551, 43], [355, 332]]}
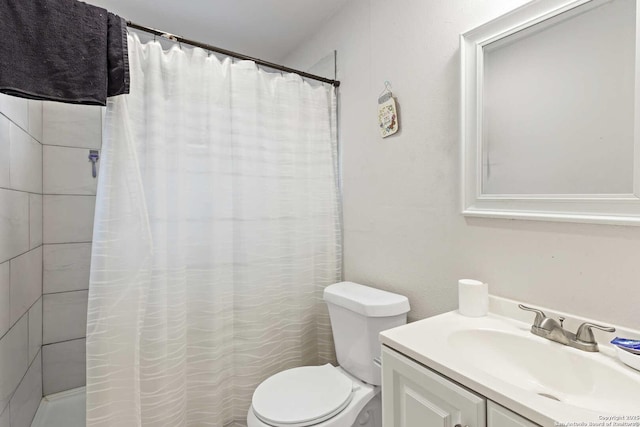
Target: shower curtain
{"points": [[217, 228]]}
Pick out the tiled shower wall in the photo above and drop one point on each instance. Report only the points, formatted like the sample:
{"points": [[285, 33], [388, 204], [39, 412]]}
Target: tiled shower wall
{"points": [[20, 260], [69, 132]]}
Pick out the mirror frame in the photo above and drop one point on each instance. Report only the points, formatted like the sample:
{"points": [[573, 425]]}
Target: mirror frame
{"points": [[620, 209]]}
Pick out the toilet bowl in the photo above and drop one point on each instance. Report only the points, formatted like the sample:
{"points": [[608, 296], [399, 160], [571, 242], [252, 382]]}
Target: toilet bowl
{"points": [[335, 396], [287, 400]]}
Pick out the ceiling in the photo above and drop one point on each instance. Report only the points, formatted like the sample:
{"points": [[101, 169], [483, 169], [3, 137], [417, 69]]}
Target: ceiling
{"points": [[266, 29]]}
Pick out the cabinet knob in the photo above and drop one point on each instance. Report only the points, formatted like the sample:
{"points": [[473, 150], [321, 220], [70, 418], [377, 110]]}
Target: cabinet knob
{"points": [[459, 425]]}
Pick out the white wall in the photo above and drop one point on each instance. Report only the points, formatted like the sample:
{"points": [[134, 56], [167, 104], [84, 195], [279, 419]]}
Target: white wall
{"points": [[403, 229]]}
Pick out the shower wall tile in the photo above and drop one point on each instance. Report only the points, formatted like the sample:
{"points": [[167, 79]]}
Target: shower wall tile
{"points": [[4, 417], [5, 153], [5, 291], [35, 119], [16, 109], [72, 125], [64, 316], [14, 349], [35, 220], [25, 168], [35, 329], [68, 171], [26, 399], [64, 366], [68, 219], [66, 267], [26, 282], [20, 258], [69, 188], [14, 223]]}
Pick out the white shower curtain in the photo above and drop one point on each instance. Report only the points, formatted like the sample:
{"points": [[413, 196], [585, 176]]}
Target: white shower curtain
{"points": [[217, 227]]}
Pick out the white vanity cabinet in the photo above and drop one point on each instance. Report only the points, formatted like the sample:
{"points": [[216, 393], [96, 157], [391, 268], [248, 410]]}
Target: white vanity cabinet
{"points": [[415, 396]]}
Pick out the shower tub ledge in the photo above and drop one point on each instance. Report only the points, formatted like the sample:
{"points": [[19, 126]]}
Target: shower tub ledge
{"points": [[64, 409]]}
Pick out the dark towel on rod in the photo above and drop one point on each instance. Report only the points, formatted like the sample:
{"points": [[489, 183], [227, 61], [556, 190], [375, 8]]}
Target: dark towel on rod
{"points": [[62, 50]]}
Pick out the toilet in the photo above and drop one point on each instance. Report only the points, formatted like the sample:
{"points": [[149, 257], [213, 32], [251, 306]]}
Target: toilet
{"points": [[336, 396]]}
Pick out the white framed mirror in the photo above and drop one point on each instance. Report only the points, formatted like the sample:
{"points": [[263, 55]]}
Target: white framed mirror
{"points": [[551, 114]]}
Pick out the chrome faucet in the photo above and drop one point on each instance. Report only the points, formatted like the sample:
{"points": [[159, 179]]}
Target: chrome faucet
{"points": [[553, 330]]}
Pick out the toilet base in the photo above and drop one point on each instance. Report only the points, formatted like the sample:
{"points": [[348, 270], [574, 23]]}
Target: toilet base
{"points": [[371, 414]]}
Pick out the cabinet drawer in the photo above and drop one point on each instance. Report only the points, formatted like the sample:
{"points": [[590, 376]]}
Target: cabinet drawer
{"points": [[415, 396]]}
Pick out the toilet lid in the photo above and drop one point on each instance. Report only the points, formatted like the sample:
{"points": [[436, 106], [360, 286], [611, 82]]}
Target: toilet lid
{"points": [[303, 396]]}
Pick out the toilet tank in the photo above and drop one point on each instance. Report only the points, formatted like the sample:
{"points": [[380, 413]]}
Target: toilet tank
{"points": [[358, 315]]}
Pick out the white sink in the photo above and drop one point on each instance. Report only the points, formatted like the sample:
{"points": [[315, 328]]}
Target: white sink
{"points": [[499, 358], [551, 370]]}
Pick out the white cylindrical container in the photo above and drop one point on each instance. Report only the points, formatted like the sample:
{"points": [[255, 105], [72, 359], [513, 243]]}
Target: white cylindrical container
{"points": [[473, 298]]}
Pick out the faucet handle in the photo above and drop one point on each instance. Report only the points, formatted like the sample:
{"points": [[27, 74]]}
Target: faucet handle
{"points": [[540, 316], [585, 334]]}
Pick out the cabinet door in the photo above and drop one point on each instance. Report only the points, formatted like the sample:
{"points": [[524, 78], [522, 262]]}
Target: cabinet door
{"points": [[497, 416], [415, 396]]}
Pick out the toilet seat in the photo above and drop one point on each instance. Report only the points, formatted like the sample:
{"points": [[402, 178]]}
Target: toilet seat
{"points": [[302, 396]]}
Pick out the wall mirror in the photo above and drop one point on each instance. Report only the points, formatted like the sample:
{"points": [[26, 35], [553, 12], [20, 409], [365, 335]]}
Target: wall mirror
{"points": [[550, 113]]}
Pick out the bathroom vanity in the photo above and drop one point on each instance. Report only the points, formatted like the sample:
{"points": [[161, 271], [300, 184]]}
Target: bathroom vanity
{"points": [[451, 370]]}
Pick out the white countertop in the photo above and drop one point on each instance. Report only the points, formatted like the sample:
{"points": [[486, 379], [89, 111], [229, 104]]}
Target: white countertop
{"points": [[428, 342]]}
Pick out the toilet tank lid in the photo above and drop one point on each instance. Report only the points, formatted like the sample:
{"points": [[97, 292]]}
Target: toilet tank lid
{"points": [[365, 300]]}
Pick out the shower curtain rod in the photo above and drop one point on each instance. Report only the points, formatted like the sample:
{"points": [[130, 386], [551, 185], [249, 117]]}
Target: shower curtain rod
{"points": [[205, 46]]}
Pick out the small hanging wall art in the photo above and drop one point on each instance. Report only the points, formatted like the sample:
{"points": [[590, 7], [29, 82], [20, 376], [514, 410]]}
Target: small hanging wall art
{"points": [[387, 112]]}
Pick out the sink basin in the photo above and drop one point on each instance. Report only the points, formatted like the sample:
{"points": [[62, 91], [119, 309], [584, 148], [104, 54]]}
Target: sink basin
{"points": [[550, 370]]}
